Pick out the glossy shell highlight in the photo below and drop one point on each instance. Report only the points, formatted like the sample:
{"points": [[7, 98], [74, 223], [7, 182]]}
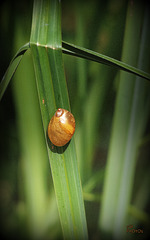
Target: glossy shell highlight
{"points": [[61, 127]]}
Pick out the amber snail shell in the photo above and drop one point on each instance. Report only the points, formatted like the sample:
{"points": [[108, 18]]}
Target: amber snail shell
{"points": [[61, 127]]}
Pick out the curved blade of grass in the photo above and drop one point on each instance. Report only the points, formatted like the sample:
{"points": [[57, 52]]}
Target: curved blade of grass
{"points": [[52, 89], [12, 68], [100, 58], [75, 51]]}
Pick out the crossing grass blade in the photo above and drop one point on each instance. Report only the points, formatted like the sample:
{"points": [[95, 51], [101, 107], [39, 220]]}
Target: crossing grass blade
{"points": [[47, 58], [98, 57], [12, 68], [74, 50]]}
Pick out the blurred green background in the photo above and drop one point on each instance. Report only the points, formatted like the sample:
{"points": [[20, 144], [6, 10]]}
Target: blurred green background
{"points": [[99, 26]]}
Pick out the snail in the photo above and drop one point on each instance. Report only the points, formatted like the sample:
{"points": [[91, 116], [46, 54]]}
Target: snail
{"points": [[61, 127]]}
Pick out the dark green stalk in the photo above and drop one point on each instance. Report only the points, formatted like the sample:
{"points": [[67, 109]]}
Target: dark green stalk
{"points": [[52, 89]]}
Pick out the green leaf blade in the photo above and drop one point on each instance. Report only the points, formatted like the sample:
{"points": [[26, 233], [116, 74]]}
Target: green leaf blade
{"points": [[100, 58], [53, 94], [12, 68]]}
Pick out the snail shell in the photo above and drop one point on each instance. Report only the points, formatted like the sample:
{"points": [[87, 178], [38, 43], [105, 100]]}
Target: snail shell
{"points": [[61, 127]]}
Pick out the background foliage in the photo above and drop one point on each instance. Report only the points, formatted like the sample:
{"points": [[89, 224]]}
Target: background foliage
{"points": [[93, 89]]}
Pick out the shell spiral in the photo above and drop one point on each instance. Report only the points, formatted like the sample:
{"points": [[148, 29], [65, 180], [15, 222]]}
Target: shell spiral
{"points": [[61, 127]]}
